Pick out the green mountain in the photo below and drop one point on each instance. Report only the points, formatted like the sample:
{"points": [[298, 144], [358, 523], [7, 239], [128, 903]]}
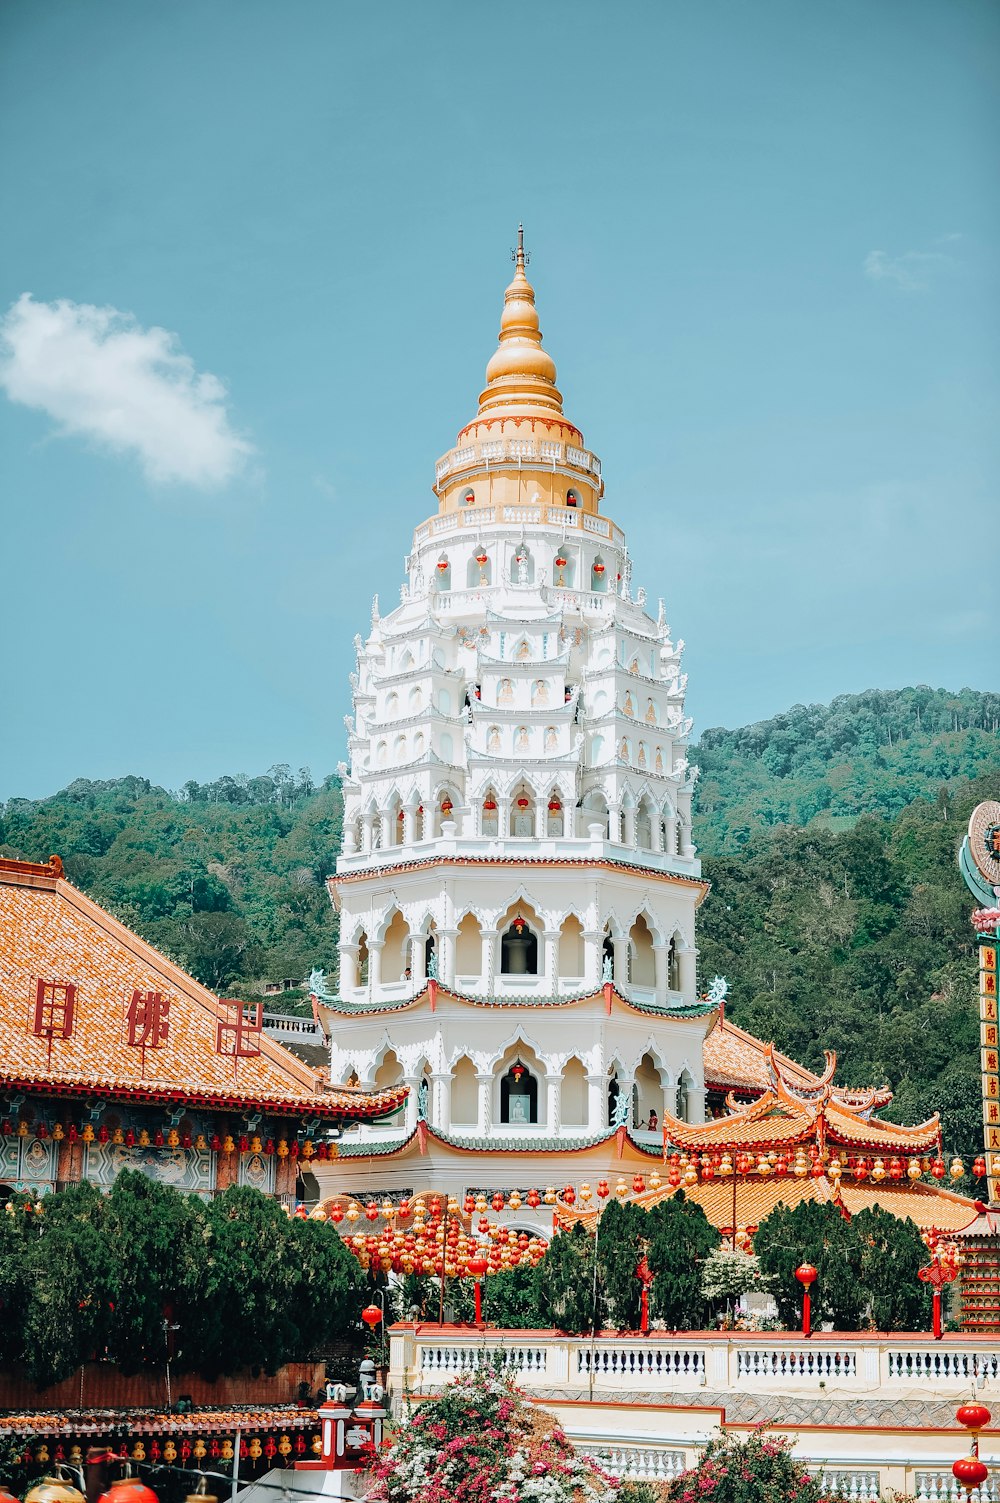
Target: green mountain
{"points": [[829, 836], [825, 765]]}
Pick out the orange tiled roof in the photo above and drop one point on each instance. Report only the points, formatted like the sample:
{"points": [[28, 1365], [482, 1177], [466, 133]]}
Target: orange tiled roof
{"points": [[736, 1060], [50, 931], [927, 1205]]}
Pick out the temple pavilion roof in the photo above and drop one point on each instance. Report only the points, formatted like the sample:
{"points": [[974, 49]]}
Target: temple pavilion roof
{"points": [[77, 1017], [737, 1061], [790, 1113]]}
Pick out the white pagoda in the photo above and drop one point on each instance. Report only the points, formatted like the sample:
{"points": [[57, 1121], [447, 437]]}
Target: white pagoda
{"points": [[518, 885]]}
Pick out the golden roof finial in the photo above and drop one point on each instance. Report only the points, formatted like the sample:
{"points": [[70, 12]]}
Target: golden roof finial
{"points": [[521, 377]]}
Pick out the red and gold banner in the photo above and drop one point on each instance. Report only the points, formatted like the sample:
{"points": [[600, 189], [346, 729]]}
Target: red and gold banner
{"points": [[990, 1056]]}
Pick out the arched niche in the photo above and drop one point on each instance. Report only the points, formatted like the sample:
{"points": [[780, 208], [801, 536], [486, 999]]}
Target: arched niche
{"points": [[574, 1096], [394, 948], [522, 812], [649, 1083], [469, 947], [464, 1093], [572, 963], [389, 1072], [519, 942], [641, 962], [519, 1079]]}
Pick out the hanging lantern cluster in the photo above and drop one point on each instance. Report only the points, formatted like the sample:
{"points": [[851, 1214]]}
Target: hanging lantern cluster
{"points": [[437, 1240], [170, 1137], [804, 1162]]}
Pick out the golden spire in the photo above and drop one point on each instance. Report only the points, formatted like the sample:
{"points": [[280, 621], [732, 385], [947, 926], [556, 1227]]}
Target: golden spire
{"points": [[521, 377]]}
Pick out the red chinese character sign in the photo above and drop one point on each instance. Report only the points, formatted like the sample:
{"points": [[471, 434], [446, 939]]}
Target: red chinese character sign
{"points": [[146, 1023], [53, 1011], [979, 860], [238, 1031]]}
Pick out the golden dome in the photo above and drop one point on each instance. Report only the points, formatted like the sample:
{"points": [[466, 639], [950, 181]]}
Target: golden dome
{"points": [[521, 377]]}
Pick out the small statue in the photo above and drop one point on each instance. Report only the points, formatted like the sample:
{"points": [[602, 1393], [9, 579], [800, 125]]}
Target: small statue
{"points": [[607, 970], [718, 991], [432, 966], [317, 985], [423, 1091], [623, 1106]]}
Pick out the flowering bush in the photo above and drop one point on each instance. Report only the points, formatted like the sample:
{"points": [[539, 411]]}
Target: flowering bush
{"points": [[482, 1440], [759, 1469]]}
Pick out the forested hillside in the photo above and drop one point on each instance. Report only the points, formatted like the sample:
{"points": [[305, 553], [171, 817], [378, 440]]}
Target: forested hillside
{"points": [[867, 753], [829, 836]]}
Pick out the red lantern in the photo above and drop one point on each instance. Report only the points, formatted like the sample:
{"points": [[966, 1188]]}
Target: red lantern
{"points": [[446, 805], [519, 924], [973, 1416], [244, 1144], [534, 1199], [497, 1201], [807, 1276], [939, 1169], [603, 1189], [569, 1195], [470, 497], [978, 1167], [561, 562], [523, 803], [128, 1490], [481, 559], [638, 1184], [337, 1214], [598, 568], [970, 1472], [268, 1146], [895, 1169], [371, 1211], [371, 1315], [468, 1205], [517, 1070], [72, 1132], [442, 565], [554, 806], [490, 805]]}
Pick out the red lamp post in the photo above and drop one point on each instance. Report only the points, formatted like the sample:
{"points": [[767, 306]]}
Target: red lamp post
{"points": [[477, 1267], [807, 1276]]}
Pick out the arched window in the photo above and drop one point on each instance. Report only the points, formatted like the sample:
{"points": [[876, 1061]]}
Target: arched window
{"points": [[442, 570], [572, 499], [389, 1072], [519, 949], [464, 1093], [519, 1096], [614, 1091], [469, 499], [395, 948], [673, 966], [469, 947], [641, 953], [479, 571], [554, 822], [571, 956], [490, 824], [682, 1109], [599, 575], [523, 569], [362, 959], [523, 808]]}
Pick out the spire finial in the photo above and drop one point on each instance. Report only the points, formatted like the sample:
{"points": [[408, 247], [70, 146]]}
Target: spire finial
{"points": [[520, 257]]}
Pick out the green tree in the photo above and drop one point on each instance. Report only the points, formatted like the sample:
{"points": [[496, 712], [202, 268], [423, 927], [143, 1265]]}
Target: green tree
{"points": [[71, 1280], [567, 1285], [891, 1252], [621, 1243], [819, 1234], [156, 1237], [680, 1239], [20, 1227]]}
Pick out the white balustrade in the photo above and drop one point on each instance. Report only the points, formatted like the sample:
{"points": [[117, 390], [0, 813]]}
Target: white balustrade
{"points": [[634, 1362], [599, 525], [943, 1486], [639, 1461], [522, 514], [939, 1364], [461, 457], [844, 1482], [550, 450], [816, 1362], [450, 1361], [579, 457]]}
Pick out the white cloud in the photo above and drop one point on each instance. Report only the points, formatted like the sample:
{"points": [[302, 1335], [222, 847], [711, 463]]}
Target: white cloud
{"points": [[910, 272], [99, 374]]}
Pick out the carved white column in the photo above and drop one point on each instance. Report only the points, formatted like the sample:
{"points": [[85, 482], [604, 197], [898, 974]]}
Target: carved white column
{"points": [[619, 943], [657, 836], [412, 1100], [442, 1099], [418, 958], [551, 939], [409, 826], [488, 961], [660, 959], [628, 831], [597, 1095], [553, 1102], [687, 961], [671, 826], [367, 835], [592, 946], [503, 818], [485, 1083], [446, 956], [348, 968], [615, 824], [374, 966]]}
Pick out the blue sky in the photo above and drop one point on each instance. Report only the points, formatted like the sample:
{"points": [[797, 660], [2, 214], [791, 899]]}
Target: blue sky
{"points": [[266, 246]]}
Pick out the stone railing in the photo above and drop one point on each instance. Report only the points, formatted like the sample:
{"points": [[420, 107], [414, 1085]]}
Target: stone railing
{"points": [[637, 1461], [283, 1025], [855, 1365], [941, 1485]]}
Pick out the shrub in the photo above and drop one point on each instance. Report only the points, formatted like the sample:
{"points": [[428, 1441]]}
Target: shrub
{"points": [[759, 1469]]}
